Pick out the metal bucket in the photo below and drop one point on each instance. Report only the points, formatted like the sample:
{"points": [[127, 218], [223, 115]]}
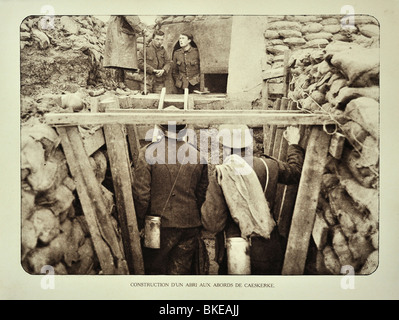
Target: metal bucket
{"points": [[238, 256], [152, 232]]}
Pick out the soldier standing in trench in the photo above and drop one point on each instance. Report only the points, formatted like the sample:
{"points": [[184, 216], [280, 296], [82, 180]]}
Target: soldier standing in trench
{"points": [[266, 255], [157, 62], [186, 65], [170, 181]]}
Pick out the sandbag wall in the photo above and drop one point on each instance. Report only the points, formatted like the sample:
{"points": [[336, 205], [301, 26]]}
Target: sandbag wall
{"points": [[314, 32], [54, 231], [336, 71]]}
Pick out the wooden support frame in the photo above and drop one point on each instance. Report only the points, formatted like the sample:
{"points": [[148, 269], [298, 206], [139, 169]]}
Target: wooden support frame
{"points": [[305, 210], [254, 118], [106, 244], [118, 155]]}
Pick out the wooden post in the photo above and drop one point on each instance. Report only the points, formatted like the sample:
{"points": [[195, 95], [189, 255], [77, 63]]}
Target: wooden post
{"points": [[100, 226], [286, 73], [121, 176], [131, 131], [160, 107], [305, 207], [270, 134]]}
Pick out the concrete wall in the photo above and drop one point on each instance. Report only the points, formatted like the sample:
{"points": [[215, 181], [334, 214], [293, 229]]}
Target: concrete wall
{"points": [[246, 55]]}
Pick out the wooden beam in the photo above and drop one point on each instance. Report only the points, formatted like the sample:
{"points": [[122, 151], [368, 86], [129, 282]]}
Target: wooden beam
{"points": [[269, 132], [276, 88], [286, 73], [305, 207], [121, 172], [103, 235], [198, 117], [131, 131], [160, 107], [93, 142], [273, 73]]}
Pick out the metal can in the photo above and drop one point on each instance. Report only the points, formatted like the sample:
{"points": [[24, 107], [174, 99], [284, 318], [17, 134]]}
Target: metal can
{"points": [[238, 256], [152, 232]]}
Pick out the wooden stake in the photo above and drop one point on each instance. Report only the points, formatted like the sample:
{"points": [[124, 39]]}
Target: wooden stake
{"points": [[121, 173], [122, 179], [305, 208], [100, 226]]}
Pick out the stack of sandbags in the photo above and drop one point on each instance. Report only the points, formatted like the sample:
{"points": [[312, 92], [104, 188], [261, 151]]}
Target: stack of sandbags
{"points": [[308, 35], [343, 80], [53, 229]]}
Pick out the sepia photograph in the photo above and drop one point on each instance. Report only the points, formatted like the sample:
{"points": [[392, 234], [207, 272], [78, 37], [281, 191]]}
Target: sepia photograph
{"points": [[294, 99]]}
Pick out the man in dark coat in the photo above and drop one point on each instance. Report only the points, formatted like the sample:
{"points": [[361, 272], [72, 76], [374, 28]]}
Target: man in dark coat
{"points": [[170, 181], [266, 254], [157, 62], [120, 51], [186, 65]]}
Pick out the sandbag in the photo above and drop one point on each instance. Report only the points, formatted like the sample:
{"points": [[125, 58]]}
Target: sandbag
{"points": [[347, 94], [332, 28], [284, 25], [278, 49], [360, 66], [331, 260], [28, 237], [46, 224], [318, 35], [290, 33], [371, 264], [317, 43], [271, 34], [365, 111], [369, 30], [294, 41], [72, 101], [340, 246], [312, 27]]}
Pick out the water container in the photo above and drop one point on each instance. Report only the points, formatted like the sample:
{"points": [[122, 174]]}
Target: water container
{"points": [[152, 232], [238, 256]]}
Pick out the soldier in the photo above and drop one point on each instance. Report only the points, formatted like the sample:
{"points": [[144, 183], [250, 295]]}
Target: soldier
{"points": [[186, 65], [219, 211], [157, 62], [120, 50], [170, 181]]}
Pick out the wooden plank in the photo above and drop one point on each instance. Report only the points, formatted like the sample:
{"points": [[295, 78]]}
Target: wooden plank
{"points": [[273, 73], [269, 135], [286, 72], [134, 141], [131, 132], [279, 132], [121, 173], [337, 145], [197, 117], [99, 226], [160, 107], [276, 88], [285, 194], [93, 142], [305, 207]]}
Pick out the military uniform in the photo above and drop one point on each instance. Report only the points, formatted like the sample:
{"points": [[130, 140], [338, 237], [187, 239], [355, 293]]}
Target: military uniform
{"points": [[156, 59], [186, 69], [266, 254], [174, 191]]}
